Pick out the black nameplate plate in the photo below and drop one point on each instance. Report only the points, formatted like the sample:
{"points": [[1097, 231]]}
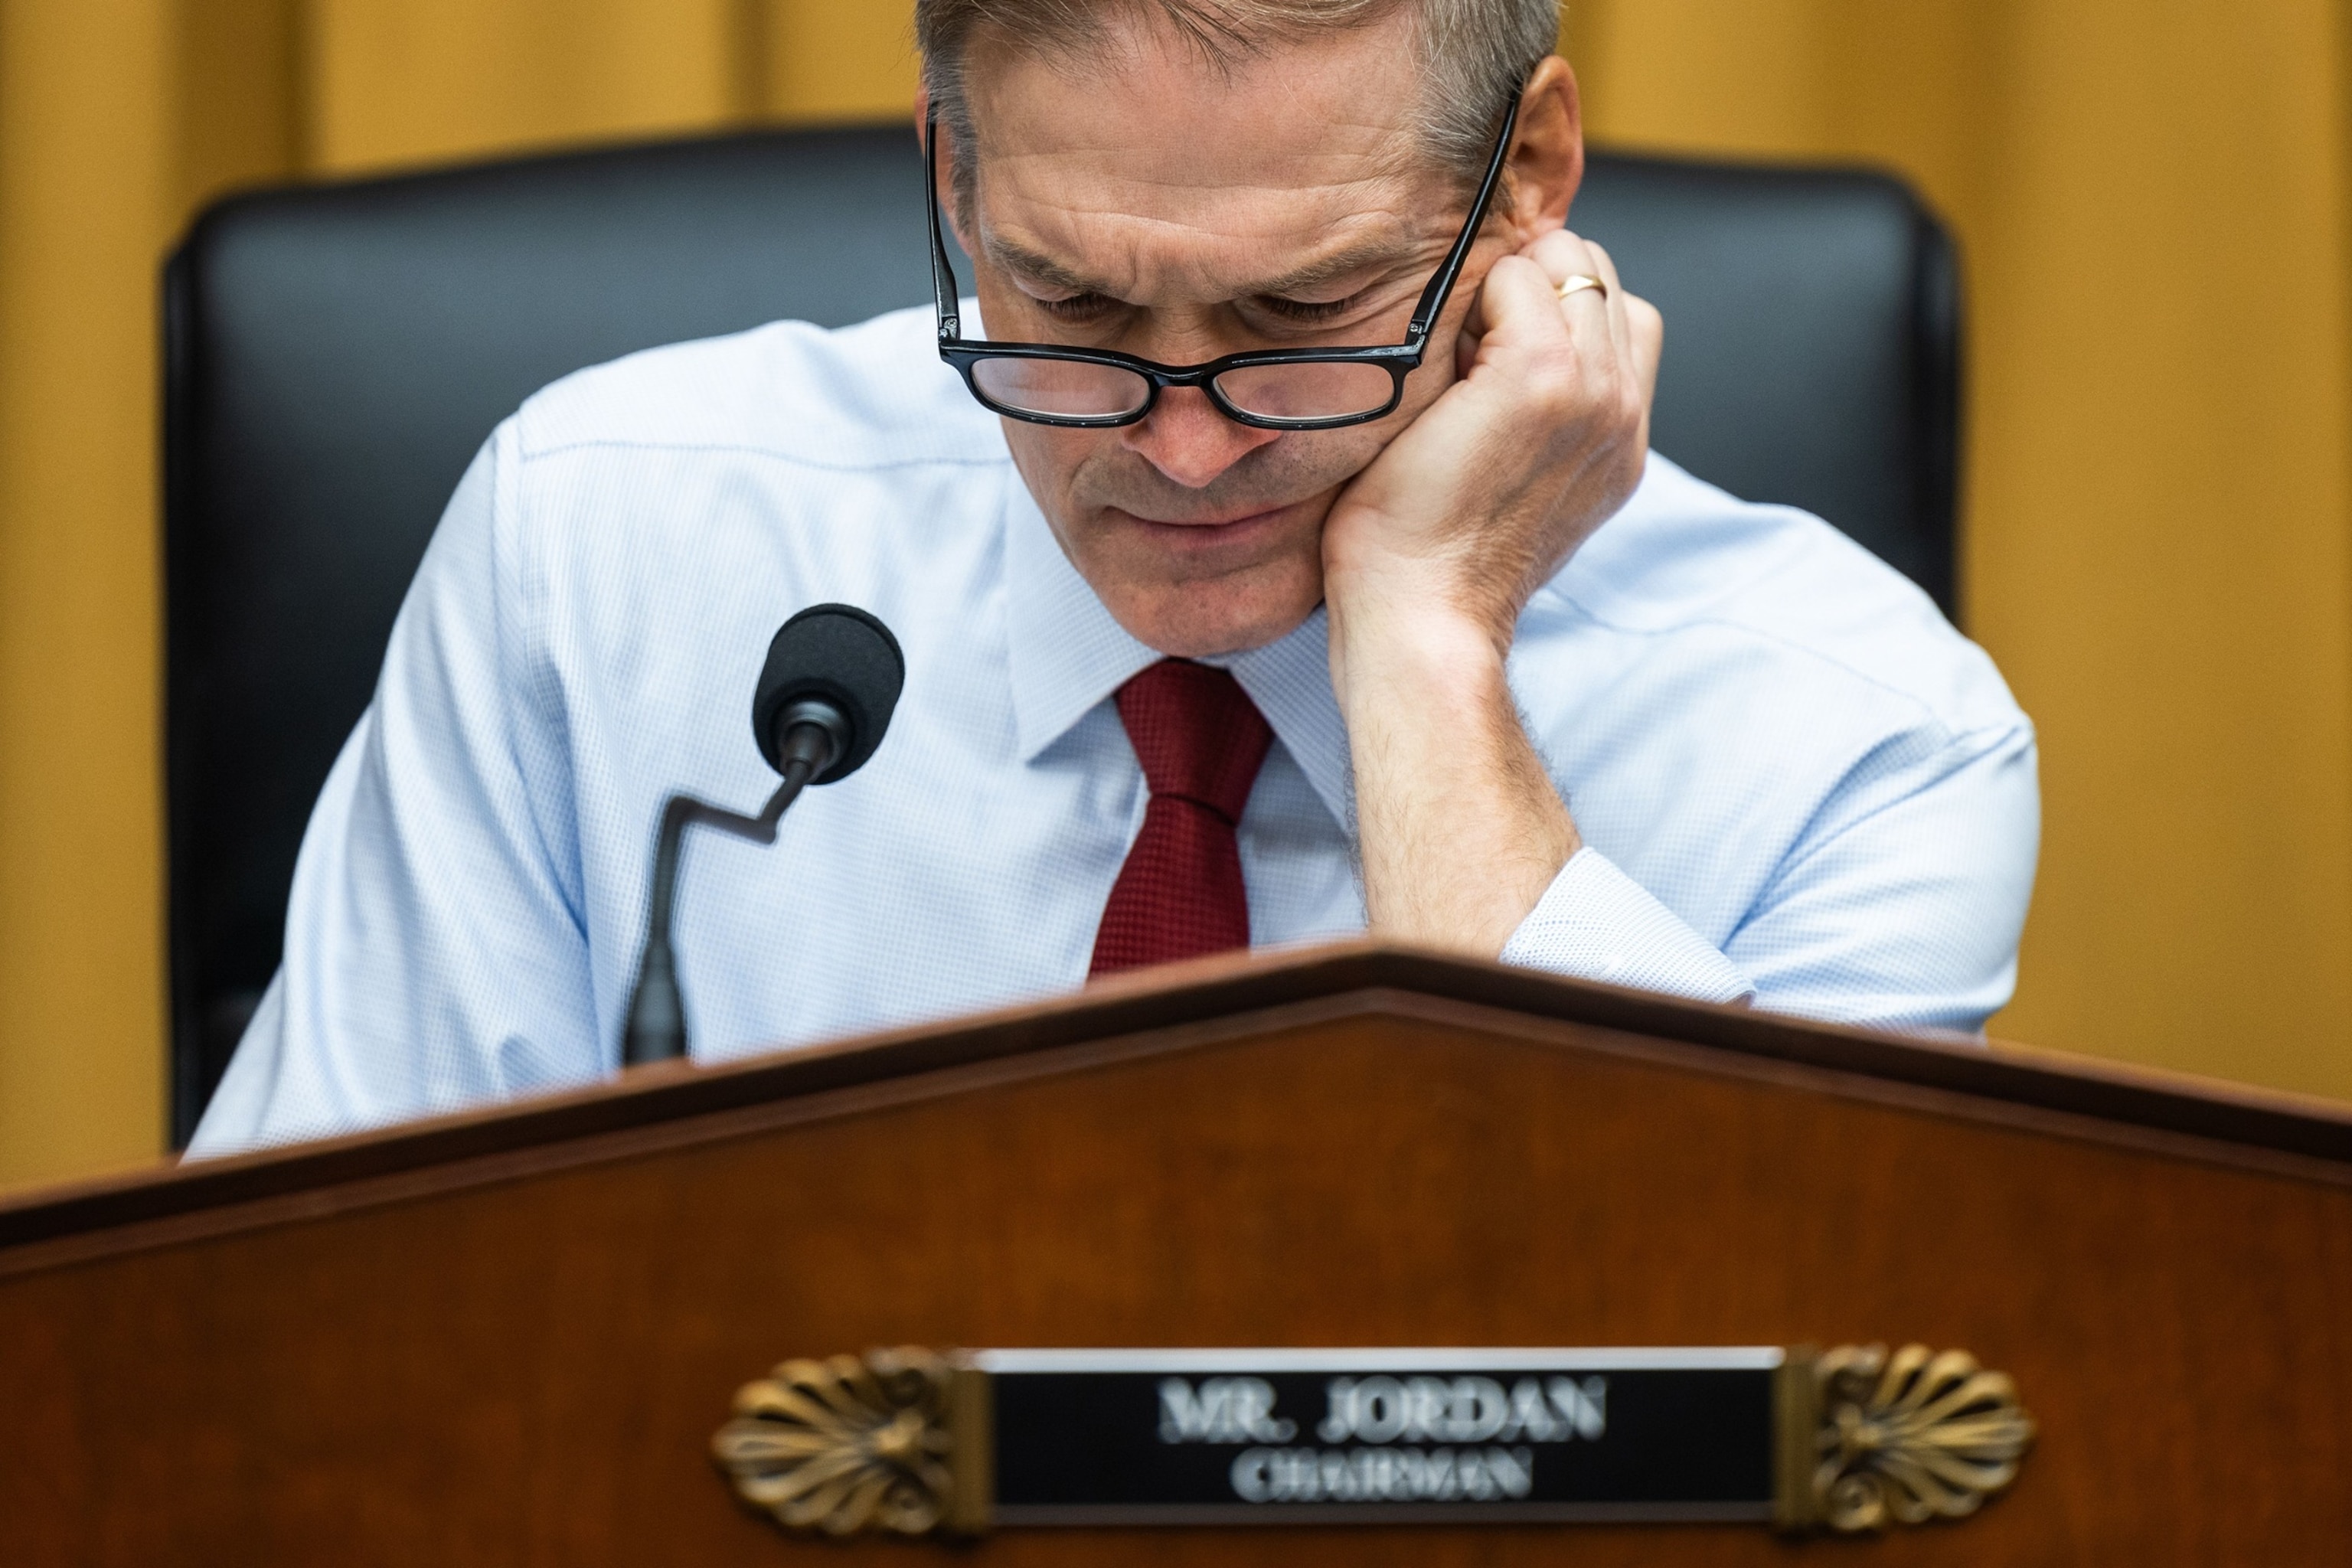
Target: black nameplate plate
{"points": [[1261, 1437]]}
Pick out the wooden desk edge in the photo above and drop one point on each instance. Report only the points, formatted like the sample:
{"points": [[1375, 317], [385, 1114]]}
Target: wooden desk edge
{"points": [[1201, 992]]}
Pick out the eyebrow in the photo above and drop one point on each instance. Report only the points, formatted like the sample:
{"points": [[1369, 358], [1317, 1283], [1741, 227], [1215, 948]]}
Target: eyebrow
{"points": [[1042, 267], [1357, 258]]}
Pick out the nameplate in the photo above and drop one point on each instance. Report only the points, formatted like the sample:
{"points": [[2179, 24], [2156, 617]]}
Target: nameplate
{"points": [[1234, 1437], [958, 1443]]}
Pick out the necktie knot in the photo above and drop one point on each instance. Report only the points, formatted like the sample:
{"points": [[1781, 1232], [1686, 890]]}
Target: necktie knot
{"points": [[1197, 734]]}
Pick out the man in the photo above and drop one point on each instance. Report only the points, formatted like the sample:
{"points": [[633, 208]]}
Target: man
{"points": [[1199, 652]]}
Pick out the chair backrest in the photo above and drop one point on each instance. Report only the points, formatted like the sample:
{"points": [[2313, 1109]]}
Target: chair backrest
{"points": [[334, 354]]}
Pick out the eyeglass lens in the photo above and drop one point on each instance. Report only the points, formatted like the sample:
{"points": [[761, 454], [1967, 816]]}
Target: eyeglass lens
{"points": [[1329, 390], [1060, 388], [1075, 389]]}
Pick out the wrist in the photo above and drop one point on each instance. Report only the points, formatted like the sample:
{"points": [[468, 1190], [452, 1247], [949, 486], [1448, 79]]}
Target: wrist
{"points": [[1461, 829], [1388, 646]]}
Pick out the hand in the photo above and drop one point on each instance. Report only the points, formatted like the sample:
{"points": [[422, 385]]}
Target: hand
{"points": [[1538, 442], [1429, 556]]}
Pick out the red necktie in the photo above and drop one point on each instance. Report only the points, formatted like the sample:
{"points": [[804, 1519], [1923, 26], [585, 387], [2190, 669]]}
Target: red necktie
{"points": [[1179, 895]]}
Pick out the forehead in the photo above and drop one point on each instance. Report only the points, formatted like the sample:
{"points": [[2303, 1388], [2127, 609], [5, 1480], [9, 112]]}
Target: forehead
{"points": [[1153, 167]]}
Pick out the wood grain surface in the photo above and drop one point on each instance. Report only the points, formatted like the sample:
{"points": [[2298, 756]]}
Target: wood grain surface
{"points": [[521, 1360]]}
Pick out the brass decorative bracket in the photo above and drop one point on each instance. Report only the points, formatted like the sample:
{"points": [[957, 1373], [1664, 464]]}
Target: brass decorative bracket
{"points": [[895, 1441], [1868, 1439]]}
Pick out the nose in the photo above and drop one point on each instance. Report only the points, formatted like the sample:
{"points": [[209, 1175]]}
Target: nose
{"points": [[1186, 438]]}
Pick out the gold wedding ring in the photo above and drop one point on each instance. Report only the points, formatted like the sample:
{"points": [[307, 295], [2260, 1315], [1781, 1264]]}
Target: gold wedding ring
{"points": [[1580, 282]]}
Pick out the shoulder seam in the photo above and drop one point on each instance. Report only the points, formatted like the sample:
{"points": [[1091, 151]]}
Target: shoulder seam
{"points": [[2016, 718], [1954, 758]]}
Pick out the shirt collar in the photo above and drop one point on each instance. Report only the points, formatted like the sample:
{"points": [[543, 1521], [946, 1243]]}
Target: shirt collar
{"points": [[1068, 653]]}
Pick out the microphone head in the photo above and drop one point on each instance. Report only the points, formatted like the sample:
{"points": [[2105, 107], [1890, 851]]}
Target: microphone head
{"points": [[836, 654]]}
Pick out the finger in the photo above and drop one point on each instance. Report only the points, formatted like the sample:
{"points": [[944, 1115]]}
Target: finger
{"points": [[1595, 321], [1479, 319], [1520, 302], [1645, 330], [1505, 297], [1604, 268], [1589, 259], [1564, 255], [1565, 371], [1636, 330]]}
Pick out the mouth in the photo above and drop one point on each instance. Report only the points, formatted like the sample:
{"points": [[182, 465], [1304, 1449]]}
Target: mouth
{"points": [[1206, 532]]}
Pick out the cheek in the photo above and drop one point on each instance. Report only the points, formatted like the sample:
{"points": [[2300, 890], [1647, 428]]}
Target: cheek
{"points": [[1050, 457], [1441, 367], [1339, 455]]}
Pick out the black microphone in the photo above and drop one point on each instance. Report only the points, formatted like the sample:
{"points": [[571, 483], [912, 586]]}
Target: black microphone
{"points": [[824, 698]]}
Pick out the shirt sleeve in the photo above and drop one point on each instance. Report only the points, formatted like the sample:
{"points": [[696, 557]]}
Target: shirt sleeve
{"points": [[1594, 923], [435, 953], [1903, 907], [1899, 906]]}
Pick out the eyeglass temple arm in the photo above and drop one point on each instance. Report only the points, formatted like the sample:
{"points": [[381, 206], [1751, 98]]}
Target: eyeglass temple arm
{"points": [[943, 283], [1425, 313]]}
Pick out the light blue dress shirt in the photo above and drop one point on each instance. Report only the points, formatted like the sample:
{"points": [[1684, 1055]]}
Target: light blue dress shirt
{"points": [[1794, 779]]}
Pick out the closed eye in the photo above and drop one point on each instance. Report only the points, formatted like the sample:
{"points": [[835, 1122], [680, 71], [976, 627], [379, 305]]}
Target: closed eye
{"points": [[1307, 313], [1077, 308]]}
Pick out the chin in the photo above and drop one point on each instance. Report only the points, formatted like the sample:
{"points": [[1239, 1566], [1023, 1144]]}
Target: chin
{"points": [[1203, 620]]}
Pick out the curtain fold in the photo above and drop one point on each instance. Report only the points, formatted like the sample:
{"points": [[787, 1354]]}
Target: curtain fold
{"points": [[2153, 201]]}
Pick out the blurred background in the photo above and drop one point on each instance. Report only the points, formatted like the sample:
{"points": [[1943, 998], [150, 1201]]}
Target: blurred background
{"points": [[2154, 201]]}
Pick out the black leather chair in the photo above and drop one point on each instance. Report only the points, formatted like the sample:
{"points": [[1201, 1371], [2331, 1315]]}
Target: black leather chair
{"points": [[335, 354]]}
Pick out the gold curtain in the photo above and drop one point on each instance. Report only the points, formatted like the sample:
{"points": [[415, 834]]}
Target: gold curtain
{"points": [[2153, 199]]}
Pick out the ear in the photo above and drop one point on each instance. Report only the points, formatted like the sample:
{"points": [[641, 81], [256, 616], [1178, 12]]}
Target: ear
{"points": [[1546, 160]]}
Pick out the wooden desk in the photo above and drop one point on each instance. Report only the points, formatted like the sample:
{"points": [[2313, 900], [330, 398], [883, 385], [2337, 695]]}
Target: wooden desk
{"points": [[507, 1337]]}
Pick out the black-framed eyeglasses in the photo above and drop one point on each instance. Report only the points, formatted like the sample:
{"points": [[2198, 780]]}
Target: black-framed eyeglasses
{"points": [[1276, 389]]}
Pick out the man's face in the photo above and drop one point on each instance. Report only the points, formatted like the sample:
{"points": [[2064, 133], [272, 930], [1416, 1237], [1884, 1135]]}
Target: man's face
{"points": [[1144, 200]]}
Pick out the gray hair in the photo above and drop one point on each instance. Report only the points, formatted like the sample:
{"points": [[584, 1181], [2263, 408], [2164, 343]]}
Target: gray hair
{"points": [[1474, 54]]}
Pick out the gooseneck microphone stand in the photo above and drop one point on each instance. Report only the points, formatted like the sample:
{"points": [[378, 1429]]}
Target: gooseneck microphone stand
{"points": [[822, 703], [815, 733]]}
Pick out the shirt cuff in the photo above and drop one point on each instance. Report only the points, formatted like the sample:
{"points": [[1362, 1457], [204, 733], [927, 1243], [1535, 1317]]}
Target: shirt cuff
{"points": [[1594, 923]]}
